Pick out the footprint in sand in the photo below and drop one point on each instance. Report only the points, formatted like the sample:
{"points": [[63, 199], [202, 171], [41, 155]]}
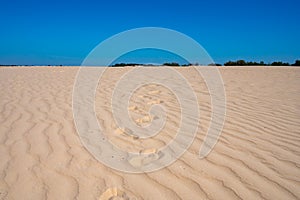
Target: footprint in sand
{"points": [[144, 97], [113, 194], [145, 157], [3, 194], [126, 132], [152, 85], [145, 119], [155, 102], [133, 108], [154, 92], [148, 151]]}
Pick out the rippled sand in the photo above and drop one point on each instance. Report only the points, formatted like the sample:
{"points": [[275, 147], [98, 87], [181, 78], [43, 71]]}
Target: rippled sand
{"points": [[257, 156]]}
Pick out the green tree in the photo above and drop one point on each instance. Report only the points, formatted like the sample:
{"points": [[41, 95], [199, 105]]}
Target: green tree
{"points": [[230, 63], [297, 63], [241, 63]]}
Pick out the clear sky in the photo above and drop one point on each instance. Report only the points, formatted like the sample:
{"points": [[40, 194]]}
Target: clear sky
{"points": [[64, 32]]}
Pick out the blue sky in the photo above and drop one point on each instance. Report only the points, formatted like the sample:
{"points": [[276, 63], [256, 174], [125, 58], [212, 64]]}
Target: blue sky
{"points": [[64, 32]]}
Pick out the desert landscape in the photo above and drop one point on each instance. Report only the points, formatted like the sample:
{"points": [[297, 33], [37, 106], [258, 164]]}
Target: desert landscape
{"points": [[257, 155]]}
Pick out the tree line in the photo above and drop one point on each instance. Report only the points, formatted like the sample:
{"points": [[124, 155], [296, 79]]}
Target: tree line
{"points": [[261, 63], [229, 63], [175, 64]]}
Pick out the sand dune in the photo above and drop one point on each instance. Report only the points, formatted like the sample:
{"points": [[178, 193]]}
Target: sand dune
{"points": [[256, 157]]}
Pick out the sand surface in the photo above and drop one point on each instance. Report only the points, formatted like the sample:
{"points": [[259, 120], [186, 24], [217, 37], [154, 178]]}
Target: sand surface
{"points": [[256, 157]]}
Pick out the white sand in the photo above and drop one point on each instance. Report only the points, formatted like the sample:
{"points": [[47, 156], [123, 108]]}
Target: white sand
{"points": [[257, 156]]}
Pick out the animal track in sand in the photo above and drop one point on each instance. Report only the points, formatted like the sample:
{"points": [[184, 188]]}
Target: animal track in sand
{"points": [[113, 194]]}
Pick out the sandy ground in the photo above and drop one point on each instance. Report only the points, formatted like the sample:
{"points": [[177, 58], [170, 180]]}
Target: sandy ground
{"points": [[257, 156]]}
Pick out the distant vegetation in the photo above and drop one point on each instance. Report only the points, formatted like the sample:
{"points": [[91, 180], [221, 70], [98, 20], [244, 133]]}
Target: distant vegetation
{"points": [[297, 63], [175, 64], [124, 64], [229, 63], [171, 64], [214, 64], [261, 63], [136, 64]]}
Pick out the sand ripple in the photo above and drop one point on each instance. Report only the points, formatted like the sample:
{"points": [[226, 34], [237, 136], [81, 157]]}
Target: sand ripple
{"points": [[257, 156]]}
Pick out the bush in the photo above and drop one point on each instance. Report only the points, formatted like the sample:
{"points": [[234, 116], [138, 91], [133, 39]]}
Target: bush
{"points": [[297, 63], [171, 64]]}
